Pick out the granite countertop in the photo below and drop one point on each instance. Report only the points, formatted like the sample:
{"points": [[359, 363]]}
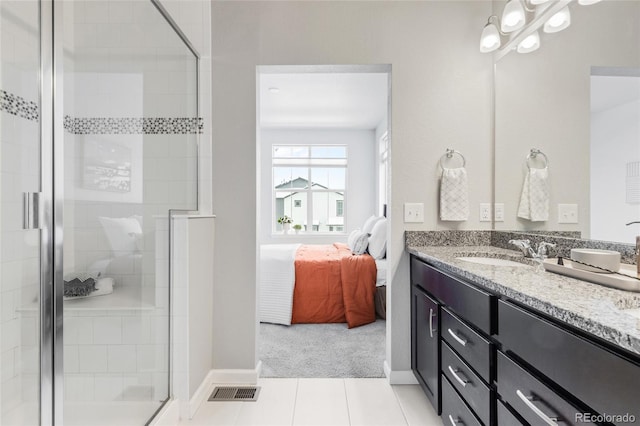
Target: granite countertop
{"points": [[593, 308]]}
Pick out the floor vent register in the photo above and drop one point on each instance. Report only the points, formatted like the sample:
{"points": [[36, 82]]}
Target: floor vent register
{"points": [[235, 393]]}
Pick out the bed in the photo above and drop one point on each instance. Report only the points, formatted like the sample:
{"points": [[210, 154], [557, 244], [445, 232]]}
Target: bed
{"points": [[308, 283]]}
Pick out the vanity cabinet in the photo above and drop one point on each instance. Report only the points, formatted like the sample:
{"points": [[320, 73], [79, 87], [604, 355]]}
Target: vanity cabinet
{"points": [[451, 323], [500, 363]]}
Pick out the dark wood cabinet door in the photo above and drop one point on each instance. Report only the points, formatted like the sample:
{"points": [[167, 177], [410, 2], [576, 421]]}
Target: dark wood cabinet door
{"points": [[425, 344]]}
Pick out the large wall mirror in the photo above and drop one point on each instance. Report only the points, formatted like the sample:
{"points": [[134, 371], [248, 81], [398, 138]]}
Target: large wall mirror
{"points": [[576, 99]]}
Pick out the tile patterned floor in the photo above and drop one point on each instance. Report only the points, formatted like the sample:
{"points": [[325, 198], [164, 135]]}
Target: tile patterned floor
{"points": [[325, 402]]}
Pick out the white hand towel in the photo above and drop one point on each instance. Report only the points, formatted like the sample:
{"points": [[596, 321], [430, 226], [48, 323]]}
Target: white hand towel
{"points": [[534, 201], [454, 195]]}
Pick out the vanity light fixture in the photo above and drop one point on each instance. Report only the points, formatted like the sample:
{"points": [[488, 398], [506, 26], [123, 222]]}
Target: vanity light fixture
{"points": [[558, 22], [490, 38], [530, 43], [588, 2], [513, 16]]}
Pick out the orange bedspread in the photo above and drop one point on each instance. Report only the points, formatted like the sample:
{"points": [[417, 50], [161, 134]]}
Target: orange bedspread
{"points": [[333, 285]]}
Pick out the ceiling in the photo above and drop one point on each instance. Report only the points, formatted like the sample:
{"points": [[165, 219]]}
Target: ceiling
{"points": [[323, 100], [611, 91]]}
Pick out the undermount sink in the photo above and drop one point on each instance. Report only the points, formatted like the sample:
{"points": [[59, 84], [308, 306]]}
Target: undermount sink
{"points": [[491, 261], [633, 312]]}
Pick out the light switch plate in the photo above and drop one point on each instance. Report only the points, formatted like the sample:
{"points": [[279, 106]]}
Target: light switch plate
{"points": [[413, 212], [567, 213], [498, 212]]}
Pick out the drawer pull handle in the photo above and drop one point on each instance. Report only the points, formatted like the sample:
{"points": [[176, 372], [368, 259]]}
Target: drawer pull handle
{"points": [[454, 422], [431, 317], [458, 378], [458, 338], [551, 421]]}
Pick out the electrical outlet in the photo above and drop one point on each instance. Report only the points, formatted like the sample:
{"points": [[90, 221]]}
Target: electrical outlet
{"points": [[413, 212], [498, 212], [567, 213], [485, 212]]}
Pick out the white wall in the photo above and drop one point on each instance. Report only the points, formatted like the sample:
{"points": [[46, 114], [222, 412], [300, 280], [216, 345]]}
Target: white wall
{"points": [[615, 141], [441, 92], [361, 183]]}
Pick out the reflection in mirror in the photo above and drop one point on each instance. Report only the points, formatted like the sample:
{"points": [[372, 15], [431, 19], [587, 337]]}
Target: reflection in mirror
{"points": [[548, 99], [615, 163]]}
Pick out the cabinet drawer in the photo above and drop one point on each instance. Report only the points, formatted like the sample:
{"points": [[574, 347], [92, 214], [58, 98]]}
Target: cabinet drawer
{"points": [[532, 399], [506, 417], [601, 379], [475, 349], [467, 301], [454, 410], [473, 390]]}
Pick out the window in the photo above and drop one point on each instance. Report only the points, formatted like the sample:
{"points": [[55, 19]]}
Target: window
{"points": [[309, 186]]}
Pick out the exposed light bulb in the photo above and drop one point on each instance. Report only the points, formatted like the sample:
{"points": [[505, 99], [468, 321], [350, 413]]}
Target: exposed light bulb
{"points": [[558, 22]]}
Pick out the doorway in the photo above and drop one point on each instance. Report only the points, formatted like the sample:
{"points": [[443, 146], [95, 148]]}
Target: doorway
{"points": [[323, 143]]}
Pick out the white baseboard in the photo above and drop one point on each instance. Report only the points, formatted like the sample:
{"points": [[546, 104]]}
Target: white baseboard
{"points": [[399, 377], [201, 394], [237, 376], [168, 416]]}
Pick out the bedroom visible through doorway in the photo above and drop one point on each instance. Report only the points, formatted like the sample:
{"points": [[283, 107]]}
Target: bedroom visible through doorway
{"points": [[324, 139]]}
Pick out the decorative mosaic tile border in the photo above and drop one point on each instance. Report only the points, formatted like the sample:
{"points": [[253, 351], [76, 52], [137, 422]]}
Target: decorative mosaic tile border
{"points": [[133, 126], [19, 106]]}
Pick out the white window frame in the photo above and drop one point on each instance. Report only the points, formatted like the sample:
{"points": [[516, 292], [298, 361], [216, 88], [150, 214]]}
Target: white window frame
{"points": [[308, 163]]}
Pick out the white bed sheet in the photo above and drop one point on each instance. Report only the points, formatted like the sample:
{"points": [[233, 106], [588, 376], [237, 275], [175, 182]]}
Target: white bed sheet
{"points": [[381, 266], [277, 280]]}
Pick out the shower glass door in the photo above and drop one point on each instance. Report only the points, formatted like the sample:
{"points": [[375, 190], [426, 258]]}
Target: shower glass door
{"points": [[20, 118], [84, 215], [130, 156]]}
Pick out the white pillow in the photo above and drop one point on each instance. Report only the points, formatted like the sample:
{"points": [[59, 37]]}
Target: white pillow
{"points": [[360, 242], [123, 234], [378, 239], [352, 236], [369, 223]]}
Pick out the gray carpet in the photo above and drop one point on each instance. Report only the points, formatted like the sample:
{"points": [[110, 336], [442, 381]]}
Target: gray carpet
{"points": [[322, 350]]}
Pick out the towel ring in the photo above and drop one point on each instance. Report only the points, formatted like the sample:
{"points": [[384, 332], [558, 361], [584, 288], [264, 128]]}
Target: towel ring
{"points": [[449, 154], [533, 154]]}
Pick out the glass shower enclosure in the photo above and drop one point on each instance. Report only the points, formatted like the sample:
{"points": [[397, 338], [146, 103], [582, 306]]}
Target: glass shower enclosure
{"points": [[98, 145]]}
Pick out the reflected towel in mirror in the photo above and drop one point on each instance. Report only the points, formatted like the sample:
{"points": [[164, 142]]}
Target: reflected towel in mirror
{"points": [[454, 195], [534, 201]]}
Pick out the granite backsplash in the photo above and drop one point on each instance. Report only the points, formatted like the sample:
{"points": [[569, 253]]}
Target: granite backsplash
{"points": [[564, 241]]}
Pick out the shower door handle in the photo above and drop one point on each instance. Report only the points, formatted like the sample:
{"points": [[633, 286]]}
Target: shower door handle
{"points": [[31, 210]]}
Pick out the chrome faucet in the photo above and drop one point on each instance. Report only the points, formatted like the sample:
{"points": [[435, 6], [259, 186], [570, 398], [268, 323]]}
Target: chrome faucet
{"points": [[524, 246], [539, 256], [637, 249]]}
